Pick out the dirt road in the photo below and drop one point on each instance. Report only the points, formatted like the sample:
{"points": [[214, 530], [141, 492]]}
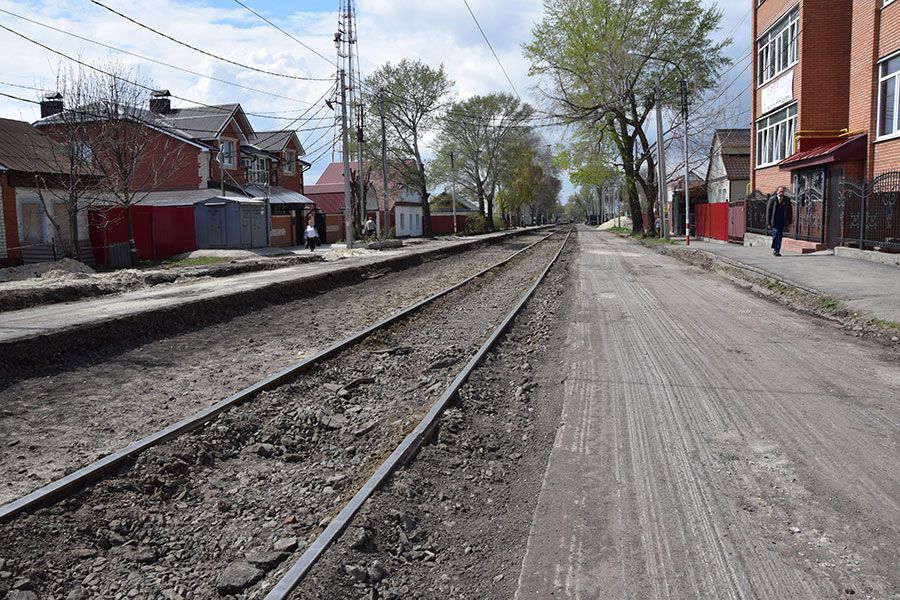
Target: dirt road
{"points": [[713, 445]]}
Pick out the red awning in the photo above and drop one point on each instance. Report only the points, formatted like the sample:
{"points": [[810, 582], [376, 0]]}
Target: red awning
{"points": [[853, 148]]}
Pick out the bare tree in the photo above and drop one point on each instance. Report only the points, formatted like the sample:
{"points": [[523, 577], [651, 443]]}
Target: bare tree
{"points": [[64, 173], [133, 158]]}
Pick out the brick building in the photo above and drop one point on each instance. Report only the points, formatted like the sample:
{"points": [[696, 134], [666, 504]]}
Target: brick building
{"points": [[194, 153], [825, 104]]}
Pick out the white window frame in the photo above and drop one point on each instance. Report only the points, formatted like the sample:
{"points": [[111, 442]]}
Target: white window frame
{"points": [[775, 137], [895, 75], [230, 156], [777, 50], [258, 172], [290, 162], [886, 2]]}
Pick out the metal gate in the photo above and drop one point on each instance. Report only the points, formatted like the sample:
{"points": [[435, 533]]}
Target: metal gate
{"points": [[809, 209], [737, 221], [869, 213]]}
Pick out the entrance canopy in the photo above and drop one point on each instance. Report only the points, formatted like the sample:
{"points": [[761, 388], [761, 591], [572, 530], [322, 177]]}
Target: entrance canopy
{"points": [[846, 150]]}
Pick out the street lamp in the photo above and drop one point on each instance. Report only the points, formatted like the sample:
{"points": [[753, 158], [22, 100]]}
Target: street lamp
{"points": [[684, 118]]}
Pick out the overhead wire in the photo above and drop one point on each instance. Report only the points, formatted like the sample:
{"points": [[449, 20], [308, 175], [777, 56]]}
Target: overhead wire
{"points": [[150, 59], [206, 52]]}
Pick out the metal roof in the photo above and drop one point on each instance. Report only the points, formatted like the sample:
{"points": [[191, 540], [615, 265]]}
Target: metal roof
{"points": [[25, 148], [737, 166], [734, 141], [848, 149]]}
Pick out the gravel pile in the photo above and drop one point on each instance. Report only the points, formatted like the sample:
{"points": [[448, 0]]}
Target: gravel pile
{"points": [[454, 523], [211, 513], [59, 417]]}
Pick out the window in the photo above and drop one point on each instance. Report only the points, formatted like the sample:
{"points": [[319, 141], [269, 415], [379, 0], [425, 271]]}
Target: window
{"points": [[402, 220], [889, 97], [258, 171], [775, 136], [776, 50], [886, 2], [290, 162], [227, 157]]}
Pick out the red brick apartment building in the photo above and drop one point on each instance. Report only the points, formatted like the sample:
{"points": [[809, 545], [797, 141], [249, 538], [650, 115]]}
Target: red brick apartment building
{"points": [[826, 114]]}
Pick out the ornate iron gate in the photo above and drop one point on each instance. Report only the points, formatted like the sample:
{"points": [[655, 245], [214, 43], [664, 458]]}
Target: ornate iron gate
{"points": [[870, 212], [809, 208]]}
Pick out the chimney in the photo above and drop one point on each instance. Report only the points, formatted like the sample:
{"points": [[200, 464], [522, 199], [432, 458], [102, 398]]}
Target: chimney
{"points": [[52, 104], [160, 103]]}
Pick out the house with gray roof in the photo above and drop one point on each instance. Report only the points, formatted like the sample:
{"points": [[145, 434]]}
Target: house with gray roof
{"points": [[218, 149]]}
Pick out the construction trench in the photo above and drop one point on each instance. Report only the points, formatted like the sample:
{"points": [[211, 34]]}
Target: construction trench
{"points": [[219, 511]]}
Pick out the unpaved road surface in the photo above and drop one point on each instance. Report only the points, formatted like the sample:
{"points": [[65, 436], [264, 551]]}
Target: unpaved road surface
{"points": [[64, 415], [713, 445]]}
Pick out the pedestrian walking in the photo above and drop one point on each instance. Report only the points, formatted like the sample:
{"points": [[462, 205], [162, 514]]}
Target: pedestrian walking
{"points": [[779, 214], [312, 236], [370, 227]]}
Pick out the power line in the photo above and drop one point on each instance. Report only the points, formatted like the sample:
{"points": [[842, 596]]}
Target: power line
{"points": [[314, 51], [502, 68], [205, 52], [134, 83], [149, 59]]}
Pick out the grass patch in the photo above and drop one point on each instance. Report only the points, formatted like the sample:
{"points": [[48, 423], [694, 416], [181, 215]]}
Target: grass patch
{"points": [[888, 324], [170, 263], [827, 303], [620, 230]]}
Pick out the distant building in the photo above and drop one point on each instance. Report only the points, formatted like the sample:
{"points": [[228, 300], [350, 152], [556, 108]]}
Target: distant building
{"points": [[729, 166]]}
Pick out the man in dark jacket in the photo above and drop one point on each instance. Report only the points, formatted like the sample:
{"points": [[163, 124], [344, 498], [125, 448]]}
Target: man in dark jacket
{"points": [[779, 214]]}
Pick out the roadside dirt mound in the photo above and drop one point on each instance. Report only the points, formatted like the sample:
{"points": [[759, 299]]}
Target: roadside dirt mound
{"points": [[57, 269], [616, 222]]}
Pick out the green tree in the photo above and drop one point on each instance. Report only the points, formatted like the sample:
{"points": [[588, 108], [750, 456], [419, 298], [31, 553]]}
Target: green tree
{"points": [[486, 134], [588, 53], [414, 97]]}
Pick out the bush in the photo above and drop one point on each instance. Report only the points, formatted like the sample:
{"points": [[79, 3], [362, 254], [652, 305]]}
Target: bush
{"points": [[476, 223]]}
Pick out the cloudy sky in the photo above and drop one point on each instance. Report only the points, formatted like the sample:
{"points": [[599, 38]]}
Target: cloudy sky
{"points": [[435, 31]]}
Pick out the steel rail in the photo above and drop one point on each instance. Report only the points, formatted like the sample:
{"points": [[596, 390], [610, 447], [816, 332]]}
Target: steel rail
{"points": [[77, 480], [407, 449]]}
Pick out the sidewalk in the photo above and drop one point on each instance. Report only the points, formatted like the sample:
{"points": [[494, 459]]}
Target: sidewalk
{"points": [[43, 320], [861, 285]]}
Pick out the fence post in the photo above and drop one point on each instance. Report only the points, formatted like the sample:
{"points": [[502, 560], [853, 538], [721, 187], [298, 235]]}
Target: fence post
{"points": [[863, 200]]}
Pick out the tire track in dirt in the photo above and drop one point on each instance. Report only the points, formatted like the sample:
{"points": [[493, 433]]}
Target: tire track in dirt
{"points": [[709, 423]]}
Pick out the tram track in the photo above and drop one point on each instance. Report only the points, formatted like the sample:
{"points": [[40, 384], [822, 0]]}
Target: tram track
{"points": [[213, 511]]}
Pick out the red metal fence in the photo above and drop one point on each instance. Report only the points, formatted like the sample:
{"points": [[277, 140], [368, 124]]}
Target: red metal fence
{"points": [[441, 223], [712, 220], [159, 231]]}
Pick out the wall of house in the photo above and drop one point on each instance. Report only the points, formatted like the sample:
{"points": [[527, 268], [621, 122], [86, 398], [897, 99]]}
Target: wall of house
{"points": [[166, 164], [738, 190], [408, 220], [886, 153], [235, 174], [823, 69], [10, 254], [765, 16], [292, 182]]}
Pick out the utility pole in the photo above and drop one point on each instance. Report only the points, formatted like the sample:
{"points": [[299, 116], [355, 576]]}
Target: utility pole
{"points": [[348, 221], [360, 181], [384, 192], [660, 164], [687, 183], [453, 187]]}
